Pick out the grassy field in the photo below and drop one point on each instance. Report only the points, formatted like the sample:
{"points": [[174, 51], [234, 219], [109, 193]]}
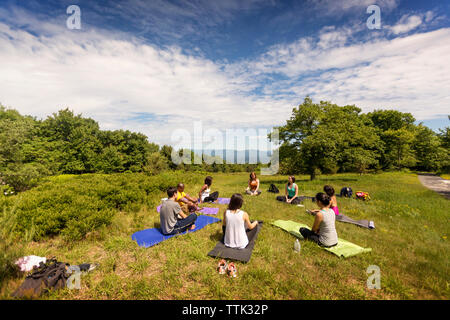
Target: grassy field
{"points": [[409, 244], [445, 176]]}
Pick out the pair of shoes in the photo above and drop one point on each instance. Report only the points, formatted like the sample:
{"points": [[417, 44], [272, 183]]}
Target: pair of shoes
{"points": [[222, 267], [229, 269]]}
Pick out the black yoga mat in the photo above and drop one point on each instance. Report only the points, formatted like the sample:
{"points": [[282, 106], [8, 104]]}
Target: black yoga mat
{"points": [[362, 223], [244, 255]]}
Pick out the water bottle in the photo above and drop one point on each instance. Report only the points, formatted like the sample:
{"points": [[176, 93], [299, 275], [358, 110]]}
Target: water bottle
{"points": [[297, 245]]}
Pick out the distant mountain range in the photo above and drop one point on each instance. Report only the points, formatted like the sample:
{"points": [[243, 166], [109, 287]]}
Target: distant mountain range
{"points": [[239, 156]]}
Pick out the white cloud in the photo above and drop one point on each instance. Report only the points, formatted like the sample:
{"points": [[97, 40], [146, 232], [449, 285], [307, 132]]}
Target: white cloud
{"points": [[407, 23], [429, 16], [410, 74], [341, 7], [112, 78]]}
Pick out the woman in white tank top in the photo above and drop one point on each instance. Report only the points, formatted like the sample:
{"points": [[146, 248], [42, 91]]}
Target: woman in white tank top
{"points": [[205, 194], [235, 222]]}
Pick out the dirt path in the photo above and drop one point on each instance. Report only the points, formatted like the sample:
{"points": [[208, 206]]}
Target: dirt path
{"points": [[436, 183]]}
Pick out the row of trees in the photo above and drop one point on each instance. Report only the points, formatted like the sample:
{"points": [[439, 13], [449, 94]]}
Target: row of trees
{"points": [[318, 138], [66, 143], [325, 137]]}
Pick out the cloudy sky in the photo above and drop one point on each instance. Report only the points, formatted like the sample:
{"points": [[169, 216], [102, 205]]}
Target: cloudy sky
{"points": [[158, 66]]}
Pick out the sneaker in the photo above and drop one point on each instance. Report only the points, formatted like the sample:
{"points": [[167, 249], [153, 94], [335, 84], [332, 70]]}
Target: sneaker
{"points": [[222, 267], [231, 270]]}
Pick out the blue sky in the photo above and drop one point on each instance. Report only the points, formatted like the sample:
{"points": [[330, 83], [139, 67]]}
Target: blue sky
{"points": [[161, 66]]}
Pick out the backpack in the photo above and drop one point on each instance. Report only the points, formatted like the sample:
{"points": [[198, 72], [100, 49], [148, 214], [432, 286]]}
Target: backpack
{"points": [[273, 189], [361, 195], [52, 274], [346, 192]]}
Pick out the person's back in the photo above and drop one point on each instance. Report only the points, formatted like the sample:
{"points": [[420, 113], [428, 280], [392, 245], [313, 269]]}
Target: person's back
{"points": [[329, 190], [327, 232], [168, 215], [235, 235]]}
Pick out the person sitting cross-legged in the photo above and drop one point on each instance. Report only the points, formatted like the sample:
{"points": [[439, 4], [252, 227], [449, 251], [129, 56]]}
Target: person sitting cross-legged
{"points": [[187, 203], [173, 220], [291, 192], [235, 223], [253, 185], [323, 230], [205, 194]]}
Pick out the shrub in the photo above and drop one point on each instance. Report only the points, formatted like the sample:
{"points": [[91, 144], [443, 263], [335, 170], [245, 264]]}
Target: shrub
{"points": [[10, 248], [78, 205]]}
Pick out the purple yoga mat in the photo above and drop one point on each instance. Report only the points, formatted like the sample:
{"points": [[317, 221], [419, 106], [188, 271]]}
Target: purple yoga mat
{"points": [[223, 200], [207, 210], [204, 210]]}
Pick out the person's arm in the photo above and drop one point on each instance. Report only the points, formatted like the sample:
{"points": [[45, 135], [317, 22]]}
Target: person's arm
{"points": [[224, 224], [317, 222], [250, 225], [184, 200], [286, 192], [180, 212], [191, 199], [257, 187]]}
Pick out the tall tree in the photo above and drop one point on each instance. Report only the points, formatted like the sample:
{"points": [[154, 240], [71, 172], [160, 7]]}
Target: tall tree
{"points": [[328, 138]]}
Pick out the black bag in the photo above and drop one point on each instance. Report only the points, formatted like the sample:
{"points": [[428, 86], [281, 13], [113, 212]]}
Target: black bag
{"points": [[52, 274], [273, 189], [346, 192]]}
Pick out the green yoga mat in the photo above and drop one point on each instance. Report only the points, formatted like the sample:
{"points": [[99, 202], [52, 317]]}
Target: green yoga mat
{"points": [[342, 249]]}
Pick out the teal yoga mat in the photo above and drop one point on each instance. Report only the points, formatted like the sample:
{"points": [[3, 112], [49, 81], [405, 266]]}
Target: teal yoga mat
{"points": [[344, 248]]}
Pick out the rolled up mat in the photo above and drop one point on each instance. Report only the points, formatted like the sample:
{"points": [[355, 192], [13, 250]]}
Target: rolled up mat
{"points": [[362, 223], [204, 210], [149, 237], [344, 248], [244, 255]]}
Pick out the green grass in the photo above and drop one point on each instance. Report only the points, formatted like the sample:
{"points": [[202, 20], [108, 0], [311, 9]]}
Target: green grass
{"points": [[409, 244], [445, 176]]}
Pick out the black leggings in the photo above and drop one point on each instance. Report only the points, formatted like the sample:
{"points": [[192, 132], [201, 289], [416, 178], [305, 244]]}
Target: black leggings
{"points": [[212, 197], [283, 199], [311, 235]]}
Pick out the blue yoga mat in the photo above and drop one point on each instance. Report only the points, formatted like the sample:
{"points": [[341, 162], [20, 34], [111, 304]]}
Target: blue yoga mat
{"points": [[149, 237]]}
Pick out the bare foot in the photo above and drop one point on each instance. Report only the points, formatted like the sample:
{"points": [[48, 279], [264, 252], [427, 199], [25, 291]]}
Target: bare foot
{"points": [[192, 227]]}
